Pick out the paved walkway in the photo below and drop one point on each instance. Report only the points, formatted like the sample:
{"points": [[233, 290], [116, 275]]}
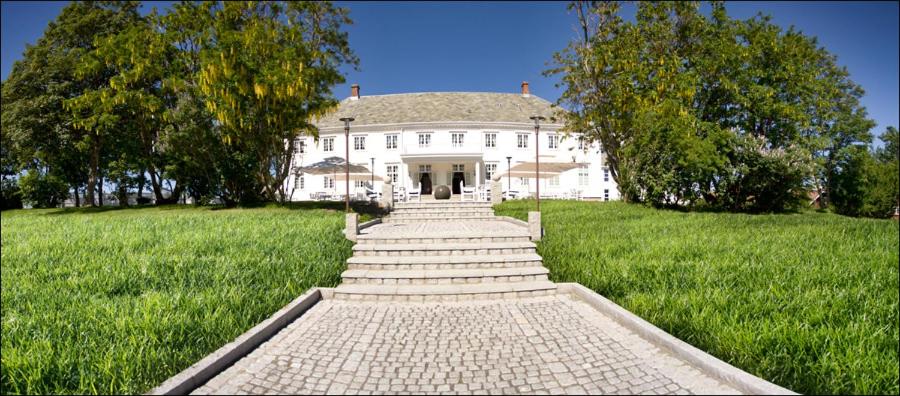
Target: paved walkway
{"points": [[542, 345], [549, 344]]}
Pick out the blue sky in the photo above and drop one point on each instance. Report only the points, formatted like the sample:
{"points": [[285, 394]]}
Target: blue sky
{"points": [[493, 47]]}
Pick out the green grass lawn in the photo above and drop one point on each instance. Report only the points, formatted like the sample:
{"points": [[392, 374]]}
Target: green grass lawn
{"points": [[808, 301], [116, 301]]}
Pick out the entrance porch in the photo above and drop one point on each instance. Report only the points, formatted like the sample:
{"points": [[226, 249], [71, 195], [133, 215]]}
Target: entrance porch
{"points": [[430, 172]]}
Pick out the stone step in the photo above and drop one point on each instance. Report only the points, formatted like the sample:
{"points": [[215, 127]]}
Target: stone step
{"points": [[455, 211], [444, 276], [406, 219], [441, 204], [366, 239], [442, 249], [444, 262], [441, 214], [426, 293]]}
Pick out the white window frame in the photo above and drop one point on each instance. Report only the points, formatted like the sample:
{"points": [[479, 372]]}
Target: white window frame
{"points": [[391, 141], [552, 141], [581, 143], [328, 144], [457, 139], [584, 176], [393, 172], [298, 181], [606, 173], [606, 194], [490, 140], [522, 141], [300, 146], [359, 143], [360, 183], [328, 182], [553, 181], [489, 169], [424, 139]]}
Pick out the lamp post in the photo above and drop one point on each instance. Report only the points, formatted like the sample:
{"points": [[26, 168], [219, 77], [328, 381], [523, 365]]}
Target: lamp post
{"points": [[537, 165], [508, 176], [347, 121], [373, 173]]}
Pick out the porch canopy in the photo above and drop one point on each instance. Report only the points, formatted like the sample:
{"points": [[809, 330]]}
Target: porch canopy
{"points": [[548, 170]]}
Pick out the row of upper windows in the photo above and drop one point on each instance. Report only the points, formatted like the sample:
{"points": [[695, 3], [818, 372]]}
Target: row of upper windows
{"points": [[457, 139]]}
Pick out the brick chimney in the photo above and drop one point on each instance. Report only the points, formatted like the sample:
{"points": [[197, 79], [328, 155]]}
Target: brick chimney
{"points": [[525, 89], [354, 92]]}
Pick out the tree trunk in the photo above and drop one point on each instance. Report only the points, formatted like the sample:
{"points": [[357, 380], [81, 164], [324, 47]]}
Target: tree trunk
{"points": [[142, 180], [77, 198], [156, 185], [92, 176], [100, 190]]}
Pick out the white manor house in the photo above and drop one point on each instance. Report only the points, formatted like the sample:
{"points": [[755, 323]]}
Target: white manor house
{"points": [[464, 140]]}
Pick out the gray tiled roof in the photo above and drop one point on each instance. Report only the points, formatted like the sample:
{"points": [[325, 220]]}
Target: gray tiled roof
{"points": [[437, 107]]}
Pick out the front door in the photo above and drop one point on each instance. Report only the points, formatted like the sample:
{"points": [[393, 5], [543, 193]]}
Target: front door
{"points": [[425, 182], [457, 178]]}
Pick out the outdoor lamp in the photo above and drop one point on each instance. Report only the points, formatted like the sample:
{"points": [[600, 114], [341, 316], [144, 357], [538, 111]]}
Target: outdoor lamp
{"points": [[537, 166], [347, 121], [508, 176]]}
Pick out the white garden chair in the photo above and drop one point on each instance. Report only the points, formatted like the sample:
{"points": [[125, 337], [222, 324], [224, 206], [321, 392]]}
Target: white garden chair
{"points": [[575, 194], [417, 194], [399, 194], [466, 191], [373, 195], [484, 193]]}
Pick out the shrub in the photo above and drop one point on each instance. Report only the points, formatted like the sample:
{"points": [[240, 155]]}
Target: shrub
{"points": [[43, 190], [10, 197]]}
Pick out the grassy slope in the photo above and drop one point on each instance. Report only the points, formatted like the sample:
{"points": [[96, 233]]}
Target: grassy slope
{"points": [[117, 301], [808, 301]]}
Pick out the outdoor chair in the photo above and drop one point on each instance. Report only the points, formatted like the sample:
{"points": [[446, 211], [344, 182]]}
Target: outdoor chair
{"points": [[372, 195], [417, 194], [484, 193], [466, 191], [575, 194], [400, 194]]}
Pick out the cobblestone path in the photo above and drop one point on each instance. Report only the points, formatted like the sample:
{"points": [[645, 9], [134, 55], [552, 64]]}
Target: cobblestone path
{"points": [[489, 341]]}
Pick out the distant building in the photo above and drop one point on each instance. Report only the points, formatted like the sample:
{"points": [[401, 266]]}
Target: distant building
{"points": [[421, 140]]}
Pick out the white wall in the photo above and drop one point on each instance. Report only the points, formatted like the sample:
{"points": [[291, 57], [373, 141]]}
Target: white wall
{"points": [[442, 153]]}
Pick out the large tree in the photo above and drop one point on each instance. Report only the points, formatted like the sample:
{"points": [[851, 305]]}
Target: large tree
{"points": [[698, 109], [40, 129], [267, 74]]}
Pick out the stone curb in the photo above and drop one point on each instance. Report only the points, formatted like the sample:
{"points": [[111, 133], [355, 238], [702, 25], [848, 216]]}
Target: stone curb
{"points": [[733, 376], [513, 220], [213, 364], [369, 223]]}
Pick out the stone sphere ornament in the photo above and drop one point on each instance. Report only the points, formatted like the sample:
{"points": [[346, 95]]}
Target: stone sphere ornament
{"points": [[442, 192]]}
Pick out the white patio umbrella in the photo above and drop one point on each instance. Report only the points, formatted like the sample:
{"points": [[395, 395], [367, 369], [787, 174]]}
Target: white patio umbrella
{"points": [[548, 170]]}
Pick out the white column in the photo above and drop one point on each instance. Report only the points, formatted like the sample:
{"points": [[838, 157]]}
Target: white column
{"points": [[404, 175], [477, 174]]}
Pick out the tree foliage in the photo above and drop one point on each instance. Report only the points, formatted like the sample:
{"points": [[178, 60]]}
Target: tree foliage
{"points": [[205, 98], [705, 110]]}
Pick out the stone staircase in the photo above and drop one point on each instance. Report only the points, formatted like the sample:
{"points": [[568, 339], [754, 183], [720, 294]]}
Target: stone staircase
{"points": [[443, 251], [405, 212]]}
